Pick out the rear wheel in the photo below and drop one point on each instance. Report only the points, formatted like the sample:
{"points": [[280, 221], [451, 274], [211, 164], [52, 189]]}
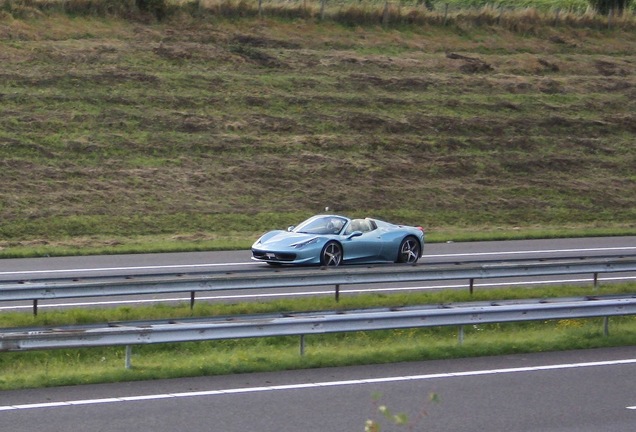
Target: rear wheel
{"points": [[409, 251], [331, 255]]}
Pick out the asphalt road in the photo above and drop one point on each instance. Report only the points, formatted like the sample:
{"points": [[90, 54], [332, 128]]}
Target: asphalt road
{"points": [[577, 391], [118, 265], [30, 268]]}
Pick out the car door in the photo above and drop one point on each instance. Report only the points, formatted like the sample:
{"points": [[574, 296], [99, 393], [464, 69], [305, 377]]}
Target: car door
{"points": [[361, 246]]}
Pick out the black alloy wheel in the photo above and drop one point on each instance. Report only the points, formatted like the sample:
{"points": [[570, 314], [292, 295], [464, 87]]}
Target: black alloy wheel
{"points": [[331, 255], [409, 251]]}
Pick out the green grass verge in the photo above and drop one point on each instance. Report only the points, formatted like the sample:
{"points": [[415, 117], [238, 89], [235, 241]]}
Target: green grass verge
{"points": [[241, 240], [161, 361]]}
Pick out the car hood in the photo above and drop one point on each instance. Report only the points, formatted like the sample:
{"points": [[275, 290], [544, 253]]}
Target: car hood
{"points": [[282, 239]]}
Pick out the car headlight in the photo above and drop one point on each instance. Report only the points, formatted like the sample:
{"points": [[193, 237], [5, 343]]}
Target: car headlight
{"points": [[304, 243]]}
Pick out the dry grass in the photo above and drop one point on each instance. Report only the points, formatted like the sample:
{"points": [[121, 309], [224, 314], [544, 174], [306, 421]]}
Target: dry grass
{"points": [[112, 129]]}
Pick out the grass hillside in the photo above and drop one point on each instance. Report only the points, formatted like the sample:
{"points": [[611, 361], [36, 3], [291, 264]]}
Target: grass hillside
{"points": [[203, 130]]}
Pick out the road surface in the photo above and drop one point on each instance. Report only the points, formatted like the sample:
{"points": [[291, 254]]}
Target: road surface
{"points": [[576, 391], [116, 265]]}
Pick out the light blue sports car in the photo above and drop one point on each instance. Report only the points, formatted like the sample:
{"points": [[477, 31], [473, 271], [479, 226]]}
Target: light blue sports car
{"points": [[331, 240]]}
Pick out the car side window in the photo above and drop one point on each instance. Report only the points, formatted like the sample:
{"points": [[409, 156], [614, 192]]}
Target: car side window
{"points": [[368, 225], [362, 225]]}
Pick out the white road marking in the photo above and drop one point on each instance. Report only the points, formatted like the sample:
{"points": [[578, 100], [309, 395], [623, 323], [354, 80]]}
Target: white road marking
{"points": [[220, 392], [307, 293], [605, 249], [108, 269]]}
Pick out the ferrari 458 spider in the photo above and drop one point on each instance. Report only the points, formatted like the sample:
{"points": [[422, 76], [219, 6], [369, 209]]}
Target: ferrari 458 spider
{"points": [[331, 240]]}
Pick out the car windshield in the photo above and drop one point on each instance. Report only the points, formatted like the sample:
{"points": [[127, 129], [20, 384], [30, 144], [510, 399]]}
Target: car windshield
{"points": [[321, 225]]}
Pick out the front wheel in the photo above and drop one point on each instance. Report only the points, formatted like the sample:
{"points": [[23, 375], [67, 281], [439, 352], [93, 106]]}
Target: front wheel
{"points": [[409, 251], [331, 255]]}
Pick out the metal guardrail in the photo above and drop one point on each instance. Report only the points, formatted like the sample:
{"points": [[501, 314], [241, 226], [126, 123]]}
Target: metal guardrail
{"points": [[193, 283], [307, 323]]}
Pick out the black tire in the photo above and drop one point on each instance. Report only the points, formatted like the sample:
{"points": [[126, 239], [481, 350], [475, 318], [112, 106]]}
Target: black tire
{"points": [[410, 250], [331, 255]]}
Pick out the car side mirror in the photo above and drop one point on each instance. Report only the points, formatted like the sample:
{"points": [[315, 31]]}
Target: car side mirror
{"points": [[354, 234], [290, 228]]}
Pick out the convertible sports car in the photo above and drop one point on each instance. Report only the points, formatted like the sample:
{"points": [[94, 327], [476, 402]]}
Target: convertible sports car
{"points": [[331, 240]]}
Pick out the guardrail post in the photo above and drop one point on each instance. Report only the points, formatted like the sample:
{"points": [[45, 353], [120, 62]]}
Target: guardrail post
{"points": [[302, 345], [35, 307], [461, 335], [337, 293], [128, 356], [595, 281], [192, 293], [472, 286], [385, 14], [606, 326]]}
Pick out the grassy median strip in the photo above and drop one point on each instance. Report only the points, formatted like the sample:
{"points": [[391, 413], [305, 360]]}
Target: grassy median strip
{"points": [[97, 365]]}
